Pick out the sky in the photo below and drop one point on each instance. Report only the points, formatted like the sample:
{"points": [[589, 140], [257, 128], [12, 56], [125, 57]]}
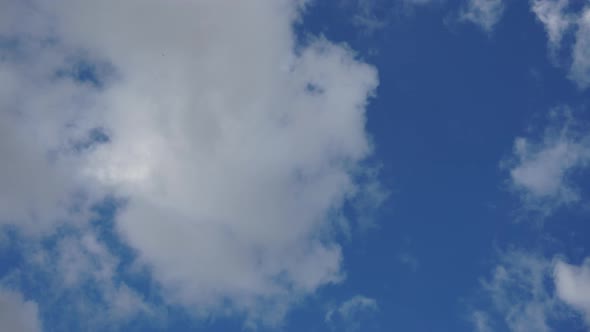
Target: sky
{"points": [[295, 165]]}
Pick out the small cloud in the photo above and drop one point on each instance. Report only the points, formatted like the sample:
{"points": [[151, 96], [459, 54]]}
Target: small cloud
{"points": [[580, 68], [541, 168], [408, 260], [349, 314], [484, 13], [368, 15]]}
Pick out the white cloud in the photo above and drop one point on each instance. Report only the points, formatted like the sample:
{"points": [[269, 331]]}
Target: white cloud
{"points": [[559, 19], [366, 17], [79, 278], [17, 314], [553, 15], [232, 144], [349, 314], [573, 286], [518, 293], [485, 13], [529, 292], [541, 168]]}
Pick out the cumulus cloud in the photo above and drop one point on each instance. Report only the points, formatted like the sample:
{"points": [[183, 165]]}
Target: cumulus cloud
{"points": [[232, 144], [484, 13], [18, 314], [541, 169], [349, 314], [559, 20]]}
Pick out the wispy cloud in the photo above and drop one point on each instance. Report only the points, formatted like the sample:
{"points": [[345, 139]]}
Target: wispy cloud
{"points": [[559, 20], [529, 292], [572, 284], [18, 314], [349, 315], [484, 13], [541, 168], [518, 294]]}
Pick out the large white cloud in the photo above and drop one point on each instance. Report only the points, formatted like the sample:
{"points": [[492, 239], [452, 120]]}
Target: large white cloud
{"points": [[232, 143]]}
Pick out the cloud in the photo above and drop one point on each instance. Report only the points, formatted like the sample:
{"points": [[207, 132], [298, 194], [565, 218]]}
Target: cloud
{"points": [[368, 15], [480, 321], [529, 292], [518, 293], [484, 13], [232, 145], [554, 17], [421, 2], [349, 314], [17, 314], [573, 286], [559, 19], [408, 260], [580, 68], [541, 169], [519, 298]]}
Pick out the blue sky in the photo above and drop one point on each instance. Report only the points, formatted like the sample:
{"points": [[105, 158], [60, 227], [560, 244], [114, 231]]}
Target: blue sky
{"points": [[354, 165]]}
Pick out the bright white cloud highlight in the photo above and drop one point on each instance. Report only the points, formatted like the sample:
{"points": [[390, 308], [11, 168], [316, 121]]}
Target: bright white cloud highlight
{"points": [[233, 145], [484, 13], [17, 314]]}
